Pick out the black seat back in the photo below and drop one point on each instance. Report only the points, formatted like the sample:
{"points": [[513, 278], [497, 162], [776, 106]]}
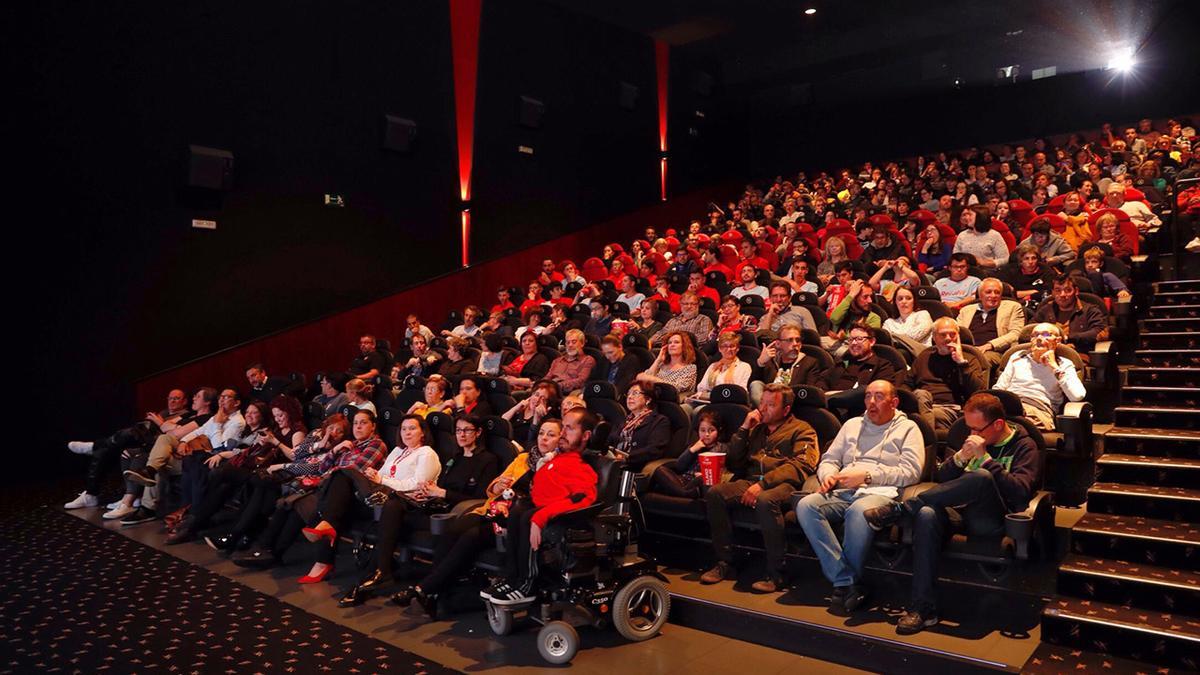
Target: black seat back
{"points": [[809, 406], [498, 395], [608, 477], [680, 425], [441, 427], [599, 389], [497, 438], [389, 425]]}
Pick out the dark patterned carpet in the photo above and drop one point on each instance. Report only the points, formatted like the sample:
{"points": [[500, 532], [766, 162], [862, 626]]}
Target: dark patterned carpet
{"points": [[78, 599]]}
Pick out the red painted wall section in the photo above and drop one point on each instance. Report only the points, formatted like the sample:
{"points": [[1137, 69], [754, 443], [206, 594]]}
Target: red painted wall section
{"points": [[331, 342], [662, 62]]}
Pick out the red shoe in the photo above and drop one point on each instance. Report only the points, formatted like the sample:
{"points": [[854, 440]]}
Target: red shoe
{"points": [[310, 579], [315, 534]]}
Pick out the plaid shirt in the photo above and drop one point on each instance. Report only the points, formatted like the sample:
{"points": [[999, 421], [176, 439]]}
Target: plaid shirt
{"points": [[700, 326], [362, 454]]}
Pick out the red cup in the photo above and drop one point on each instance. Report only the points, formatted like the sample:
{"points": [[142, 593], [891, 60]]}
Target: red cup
{"points": [[711, 465]]}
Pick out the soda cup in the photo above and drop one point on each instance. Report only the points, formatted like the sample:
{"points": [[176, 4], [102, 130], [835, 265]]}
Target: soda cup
{"points": [[711, 466]]}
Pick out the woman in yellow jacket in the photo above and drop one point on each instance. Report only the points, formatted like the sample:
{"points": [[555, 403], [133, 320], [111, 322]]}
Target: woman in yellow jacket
{"points": [[473, 532], [1078, 231]]}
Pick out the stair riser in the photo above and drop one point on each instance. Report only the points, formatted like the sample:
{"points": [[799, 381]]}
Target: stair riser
{"points": [[1161, 553], [1179, 285], [1166, 360], [1155, 447], [1168, 341], [1162, 378], [1157, 420], [1130, 593], [1170, 297], [1147, 507], [1174, 311], [1162, 398], [1144, 474], [1171, 651], [1168, 324]]}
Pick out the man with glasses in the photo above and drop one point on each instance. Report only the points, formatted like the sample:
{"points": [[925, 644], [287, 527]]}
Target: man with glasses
{"points": [[869, 461], [994, 473], [1041, 379], [958, 289], [783, 362], [690, 320], [771, 456], [860, 364]]}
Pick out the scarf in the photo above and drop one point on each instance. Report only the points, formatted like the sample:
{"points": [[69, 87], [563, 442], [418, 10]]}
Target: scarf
{"points": [[631, 425]]}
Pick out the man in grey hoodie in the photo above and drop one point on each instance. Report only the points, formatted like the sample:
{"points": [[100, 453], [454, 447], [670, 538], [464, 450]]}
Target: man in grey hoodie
{"points": [[1055, 250], [872, 458]]}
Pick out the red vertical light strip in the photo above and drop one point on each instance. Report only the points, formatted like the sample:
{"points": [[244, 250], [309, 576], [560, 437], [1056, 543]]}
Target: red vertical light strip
{"points": [[662, 63], [464, 44]]}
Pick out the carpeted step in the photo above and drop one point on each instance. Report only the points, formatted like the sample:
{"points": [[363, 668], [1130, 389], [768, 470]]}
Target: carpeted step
{"points": [[1130, 584], [1167, 324], [1150, 501], [1050, 659], [1175, 339], [1148, 470], [1160, 417], [1167, 357], [1162, 377], [1166, 311], [1155, 637], [1171, 397], [1177, 443], [1177, 285], [1174, 297], [1138, 540]]}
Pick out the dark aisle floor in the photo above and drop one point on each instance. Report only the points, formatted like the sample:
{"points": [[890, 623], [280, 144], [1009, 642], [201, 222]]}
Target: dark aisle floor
{"points": [[82, 585]]}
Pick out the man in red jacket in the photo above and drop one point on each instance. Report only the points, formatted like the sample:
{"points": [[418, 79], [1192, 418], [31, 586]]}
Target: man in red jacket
{"points": [[565, 483]]}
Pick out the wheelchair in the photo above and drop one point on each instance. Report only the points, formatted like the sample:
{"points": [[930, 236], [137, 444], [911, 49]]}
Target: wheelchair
{"points": [[590, 573]]}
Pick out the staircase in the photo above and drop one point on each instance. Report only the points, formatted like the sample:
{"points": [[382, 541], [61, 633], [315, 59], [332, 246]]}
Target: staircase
{"points": [[1130, 586]]}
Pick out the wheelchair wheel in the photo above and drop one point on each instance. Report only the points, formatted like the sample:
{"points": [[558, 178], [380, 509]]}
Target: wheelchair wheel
{"points": [[500, 619], [640, 608], [558, 642]]}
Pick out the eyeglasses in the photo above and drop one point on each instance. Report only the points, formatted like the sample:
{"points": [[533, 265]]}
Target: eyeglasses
{"points": [[857, 339], [1045, 334]]}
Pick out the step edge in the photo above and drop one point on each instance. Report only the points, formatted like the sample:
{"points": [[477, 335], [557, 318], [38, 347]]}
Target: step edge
{"points": [[1116, 623]]}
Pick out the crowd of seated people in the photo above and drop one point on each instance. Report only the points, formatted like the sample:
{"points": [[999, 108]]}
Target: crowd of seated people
{"points": [[935, 280]]}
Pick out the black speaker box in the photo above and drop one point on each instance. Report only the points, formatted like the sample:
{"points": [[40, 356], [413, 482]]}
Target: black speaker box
{"points": [[210, 168], [531, 112], [398, 133]]}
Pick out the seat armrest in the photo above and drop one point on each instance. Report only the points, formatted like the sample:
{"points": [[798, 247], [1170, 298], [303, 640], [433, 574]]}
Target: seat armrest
{"points": [[1102, 361], [466, 506], [1039, 526], [1075, 424], [642, 480]]}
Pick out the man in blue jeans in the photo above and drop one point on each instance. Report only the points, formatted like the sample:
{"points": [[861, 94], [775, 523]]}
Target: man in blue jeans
{"points": [[995, 473], [866, 465]]}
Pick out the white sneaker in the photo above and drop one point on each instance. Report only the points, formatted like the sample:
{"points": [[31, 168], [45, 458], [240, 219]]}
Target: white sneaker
{"points": [[1193, 246], [136, 503], [80, 447], [84, 500], [120, 512]]}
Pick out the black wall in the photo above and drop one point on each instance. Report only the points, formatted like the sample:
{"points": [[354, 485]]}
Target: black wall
{"points": [[122, 286]]}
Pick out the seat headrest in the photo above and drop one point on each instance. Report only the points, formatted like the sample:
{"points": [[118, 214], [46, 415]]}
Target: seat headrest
{"points": [[729, 393], [809, 397], [600, 389]]}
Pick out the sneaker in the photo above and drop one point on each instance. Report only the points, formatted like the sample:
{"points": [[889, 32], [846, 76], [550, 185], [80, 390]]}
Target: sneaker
{"points": [[915, 622], [884, 516], [513, 595], [118, 512], [83, 501], [144, 477], [139, 516], [499, 587], [1193, 246], [136, 503], [720, 572], [81, 447]]}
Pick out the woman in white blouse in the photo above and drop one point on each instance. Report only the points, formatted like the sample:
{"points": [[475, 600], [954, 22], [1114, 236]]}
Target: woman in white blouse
{"points": [[728, 370], [914, 326]]}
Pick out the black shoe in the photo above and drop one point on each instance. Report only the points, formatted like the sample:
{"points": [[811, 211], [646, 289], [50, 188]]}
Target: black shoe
{"points": [[915, 622], [181, 534], [404, 596], [257, 558], [854, 598], [145, 477], [378, 581], [837, 600], [429, 603], [141, 515], [221, 543], [884, 516]]}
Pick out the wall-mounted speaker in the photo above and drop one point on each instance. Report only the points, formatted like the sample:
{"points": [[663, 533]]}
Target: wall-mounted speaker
{"points": [[531, 111], [398, 133], [210, 168]]}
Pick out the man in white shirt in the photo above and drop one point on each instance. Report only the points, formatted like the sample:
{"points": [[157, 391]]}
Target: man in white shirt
{"points": [[1139, 213], [960, 288], [748, 275], [629, 294], [1041, 379]]}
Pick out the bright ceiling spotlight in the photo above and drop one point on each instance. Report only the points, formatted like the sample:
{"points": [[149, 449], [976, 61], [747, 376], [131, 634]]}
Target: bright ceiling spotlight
{"points": [[1122, 61], [810, 11]]}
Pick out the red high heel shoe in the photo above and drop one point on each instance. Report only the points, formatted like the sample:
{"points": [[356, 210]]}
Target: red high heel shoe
{"points": [[315, 534], [310, 579]]}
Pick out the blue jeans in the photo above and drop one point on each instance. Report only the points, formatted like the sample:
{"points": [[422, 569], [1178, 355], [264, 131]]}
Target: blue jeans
{"points": [[841, 563]]}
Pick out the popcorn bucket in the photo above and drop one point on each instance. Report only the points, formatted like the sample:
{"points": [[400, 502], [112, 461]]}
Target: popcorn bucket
{"points": [[711, 466]]}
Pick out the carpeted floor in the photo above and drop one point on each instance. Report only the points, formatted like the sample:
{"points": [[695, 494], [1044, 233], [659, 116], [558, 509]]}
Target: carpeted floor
{"points": [[78, 599]]}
